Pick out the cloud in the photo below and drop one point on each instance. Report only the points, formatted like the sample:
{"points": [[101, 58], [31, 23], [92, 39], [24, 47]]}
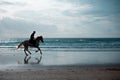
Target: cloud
{"points": [[2, 11], [11, 28], [60, 18], [11, 2], [6, 3], [20, 28]]}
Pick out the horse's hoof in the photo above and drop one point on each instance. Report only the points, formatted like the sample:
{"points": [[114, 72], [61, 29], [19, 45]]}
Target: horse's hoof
{"points": [[36, 51]]}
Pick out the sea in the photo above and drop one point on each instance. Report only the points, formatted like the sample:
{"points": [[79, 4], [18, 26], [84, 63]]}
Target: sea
{"points": [[69, 44], [61, 51]]}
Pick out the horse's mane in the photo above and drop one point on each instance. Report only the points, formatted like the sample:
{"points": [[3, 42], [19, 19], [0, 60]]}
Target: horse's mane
{"points": [[39, 38]]}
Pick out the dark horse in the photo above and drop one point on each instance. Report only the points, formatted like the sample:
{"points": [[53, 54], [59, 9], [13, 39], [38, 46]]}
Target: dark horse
{"points": [[26, 44]]}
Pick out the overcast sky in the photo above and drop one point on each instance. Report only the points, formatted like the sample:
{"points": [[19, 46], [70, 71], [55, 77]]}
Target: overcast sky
{"points": [[60, 18]]}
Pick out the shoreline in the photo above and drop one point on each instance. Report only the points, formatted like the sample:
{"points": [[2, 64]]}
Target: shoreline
{"points": [[57, 65]]}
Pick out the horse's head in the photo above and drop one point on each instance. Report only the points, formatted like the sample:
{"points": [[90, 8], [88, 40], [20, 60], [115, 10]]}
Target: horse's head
{"points": [[39, 38]]}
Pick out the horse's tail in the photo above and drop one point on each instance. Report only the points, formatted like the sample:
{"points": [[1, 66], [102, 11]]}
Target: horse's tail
{"points": [[20, 45]]}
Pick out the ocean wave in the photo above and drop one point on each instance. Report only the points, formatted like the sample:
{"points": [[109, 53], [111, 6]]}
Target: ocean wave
{"points": [[68, 43], [77, 47], [71, 49]]}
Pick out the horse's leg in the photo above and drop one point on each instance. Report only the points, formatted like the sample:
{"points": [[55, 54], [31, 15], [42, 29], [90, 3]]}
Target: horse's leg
{"points": [[25, 52], [39, 50], [28, 51]]}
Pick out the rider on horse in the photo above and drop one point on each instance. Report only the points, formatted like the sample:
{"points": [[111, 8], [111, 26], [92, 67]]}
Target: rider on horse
{"points": [[32, 39]]}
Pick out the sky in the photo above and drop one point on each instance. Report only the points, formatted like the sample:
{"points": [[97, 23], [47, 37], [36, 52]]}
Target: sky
{"points": [[60, 18]]}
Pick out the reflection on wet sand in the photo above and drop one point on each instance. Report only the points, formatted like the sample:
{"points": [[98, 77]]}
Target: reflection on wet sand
{"points": [[27, 59]]}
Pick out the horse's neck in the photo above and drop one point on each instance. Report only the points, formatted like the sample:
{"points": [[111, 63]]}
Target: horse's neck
{"points": [[37, 41]]}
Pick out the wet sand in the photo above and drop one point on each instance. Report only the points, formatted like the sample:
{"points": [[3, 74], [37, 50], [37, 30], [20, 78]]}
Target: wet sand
{"points": [[63, 73], [14, 65]]}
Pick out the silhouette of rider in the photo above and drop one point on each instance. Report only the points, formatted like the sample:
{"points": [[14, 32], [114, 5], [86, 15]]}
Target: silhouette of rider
{"points": [[32, 40]]}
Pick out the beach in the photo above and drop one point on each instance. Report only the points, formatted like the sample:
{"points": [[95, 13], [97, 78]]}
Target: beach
{"points": [[63, 73], [65, 59], [14, 65]]}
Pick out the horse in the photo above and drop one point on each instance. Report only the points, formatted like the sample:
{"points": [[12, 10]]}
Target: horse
{"points": [[27, 44]]}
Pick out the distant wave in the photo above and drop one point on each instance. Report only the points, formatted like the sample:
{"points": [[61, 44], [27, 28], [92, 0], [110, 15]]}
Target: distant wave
{"points": [[80, 47], [77, 44]]}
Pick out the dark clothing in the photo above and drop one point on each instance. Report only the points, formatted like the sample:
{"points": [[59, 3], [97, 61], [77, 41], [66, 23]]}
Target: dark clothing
{"points": [[31, 40]]}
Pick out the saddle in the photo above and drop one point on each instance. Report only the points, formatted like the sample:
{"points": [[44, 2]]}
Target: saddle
{"points": [[32, 42]]}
